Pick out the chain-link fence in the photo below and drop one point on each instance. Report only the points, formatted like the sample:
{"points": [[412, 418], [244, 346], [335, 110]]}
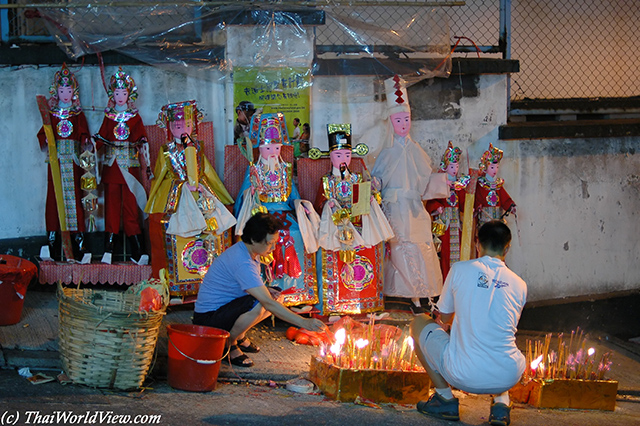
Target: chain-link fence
{"points": [[566, 48], [575, 48]]}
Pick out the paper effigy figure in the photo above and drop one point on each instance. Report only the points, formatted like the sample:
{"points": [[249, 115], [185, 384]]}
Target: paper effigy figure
{"points": [[65, 135], [186, 203], [492, 200], [404, 169], [268, 186], [352, 233], [124, 139], [447, 225]]}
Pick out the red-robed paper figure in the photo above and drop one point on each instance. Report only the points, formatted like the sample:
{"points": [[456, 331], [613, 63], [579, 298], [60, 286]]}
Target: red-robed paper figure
{"points": [[447, 211], [124, 138], [69, 136], [189, 224], [492, 200], [404, 169], [351, 234]]}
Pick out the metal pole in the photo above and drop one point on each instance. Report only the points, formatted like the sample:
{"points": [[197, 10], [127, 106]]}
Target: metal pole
{"points": [[505, 41]]}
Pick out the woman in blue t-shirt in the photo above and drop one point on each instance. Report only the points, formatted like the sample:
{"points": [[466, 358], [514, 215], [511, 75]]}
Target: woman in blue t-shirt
{"points": [[233, 295]]}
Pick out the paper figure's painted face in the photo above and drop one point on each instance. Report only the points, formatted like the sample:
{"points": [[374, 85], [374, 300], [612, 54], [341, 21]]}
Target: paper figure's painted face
{"points": [[401, 122], [492, 169], [452, 169], [120, 97], [180, 127], [271, 150], [340, 156], [65, 94]]}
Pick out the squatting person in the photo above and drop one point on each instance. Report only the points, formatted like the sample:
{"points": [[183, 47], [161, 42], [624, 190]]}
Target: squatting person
{"points": [[233, 296], [481, 303]]}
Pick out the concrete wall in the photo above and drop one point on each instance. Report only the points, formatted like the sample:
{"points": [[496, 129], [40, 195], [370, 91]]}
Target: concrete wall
{"points": [[576, 231]]}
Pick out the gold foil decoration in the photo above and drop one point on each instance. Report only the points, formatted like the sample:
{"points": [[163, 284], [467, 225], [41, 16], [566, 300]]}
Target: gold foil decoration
{"points": [[343, 127], [347, 256], [339, 216], [363, 204], [267, 259], [438, 228], [212, 224], [259, 209], [88, 182]]}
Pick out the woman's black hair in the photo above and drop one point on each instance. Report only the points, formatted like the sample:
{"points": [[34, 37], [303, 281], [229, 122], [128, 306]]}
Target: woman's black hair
{"points": [[259, 226]]}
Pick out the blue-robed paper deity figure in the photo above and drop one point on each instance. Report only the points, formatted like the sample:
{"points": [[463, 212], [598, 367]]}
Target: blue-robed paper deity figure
{"points": [[268, 186]]}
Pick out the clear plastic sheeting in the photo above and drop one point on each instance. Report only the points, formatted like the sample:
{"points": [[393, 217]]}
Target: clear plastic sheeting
{"points": [[325, 36]]}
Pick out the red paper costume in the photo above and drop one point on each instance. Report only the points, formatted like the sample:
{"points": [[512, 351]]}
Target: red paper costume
{"points": [[123, 135], [70, 131], [492, 200], [448, 211]]}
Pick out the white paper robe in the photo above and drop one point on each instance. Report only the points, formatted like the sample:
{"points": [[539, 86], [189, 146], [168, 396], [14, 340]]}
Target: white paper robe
{"points": [[407, 179]]}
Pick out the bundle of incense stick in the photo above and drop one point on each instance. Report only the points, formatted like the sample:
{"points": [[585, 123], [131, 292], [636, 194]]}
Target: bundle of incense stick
{"points": [[371, 349], [570, 361]]}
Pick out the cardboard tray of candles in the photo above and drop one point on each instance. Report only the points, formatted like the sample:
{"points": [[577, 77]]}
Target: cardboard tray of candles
{"points": [[567, 393], [382, 386]]}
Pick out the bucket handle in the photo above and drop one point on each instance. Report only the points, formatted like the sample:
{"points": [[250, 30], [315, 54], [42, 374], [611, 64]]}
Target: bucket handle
{"points": [[199, 361]]}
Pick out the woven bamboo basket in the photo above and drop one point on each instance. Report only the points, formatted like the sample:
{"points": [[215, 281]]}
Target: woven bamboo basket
{"points": [[104, 340]]}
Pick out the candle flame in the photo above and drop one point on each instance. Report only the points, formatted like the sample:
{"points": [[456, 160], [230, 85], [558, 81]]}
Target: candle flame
{"points": [[335, 348], [536, 362], [410, 342], [341, 336], [591, 351]]}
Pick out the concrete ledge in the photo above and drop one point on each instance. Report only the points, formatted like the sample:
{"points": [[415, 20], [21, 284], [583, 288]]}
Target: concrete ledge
{"points": [[571, 129], [51, 54]]}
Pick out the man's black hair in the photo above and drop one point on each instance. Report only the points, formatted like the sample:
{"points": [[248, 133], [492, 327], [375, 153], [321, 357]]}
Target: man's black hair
{"points": [[259, 226], [494, 235], [246, 106]]}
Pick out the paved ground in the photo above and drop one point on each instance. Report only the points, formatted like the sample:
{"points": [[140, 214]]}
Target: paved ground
{"points": [[255, 396]]}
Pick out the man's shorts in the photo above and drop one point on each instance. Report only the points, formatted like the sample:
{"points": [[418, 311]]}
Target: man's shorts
{"points": [[433, 342], [227, 315]]}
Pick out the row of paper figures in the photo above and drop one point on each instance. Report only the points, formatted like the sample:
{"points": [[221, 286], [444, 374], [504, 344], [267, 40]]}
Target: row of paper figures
{"points": [[365, 236]]}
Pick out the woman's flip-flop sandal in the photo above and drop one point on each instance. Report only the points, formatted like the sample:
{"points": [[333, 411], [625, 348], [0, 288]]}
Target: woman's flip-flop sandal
{"points": [[250, 348], [240, 360]]}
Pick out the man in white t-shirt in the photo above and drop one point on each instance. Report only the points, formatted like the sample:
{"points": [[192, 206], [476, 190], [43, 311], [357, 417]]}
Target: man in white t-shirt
{"points": [[296, 129], [480, 356]]}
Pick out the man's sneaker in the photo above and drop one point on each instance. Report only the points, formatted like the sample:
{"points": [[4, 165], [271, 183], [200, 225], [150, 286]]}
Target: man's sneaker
{"points": [[500, 414], [441, 408]]}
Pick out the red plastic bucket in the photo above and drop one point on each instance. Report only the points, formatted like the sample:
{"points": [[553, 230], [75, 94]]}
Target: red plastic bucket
{"points": [[195, 352], [12, 304]]}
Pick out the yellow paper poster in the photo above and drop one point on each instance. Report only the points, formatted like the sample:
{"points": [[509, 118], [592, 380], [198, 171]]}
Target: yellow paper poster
{"points": [[285, 90]]}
